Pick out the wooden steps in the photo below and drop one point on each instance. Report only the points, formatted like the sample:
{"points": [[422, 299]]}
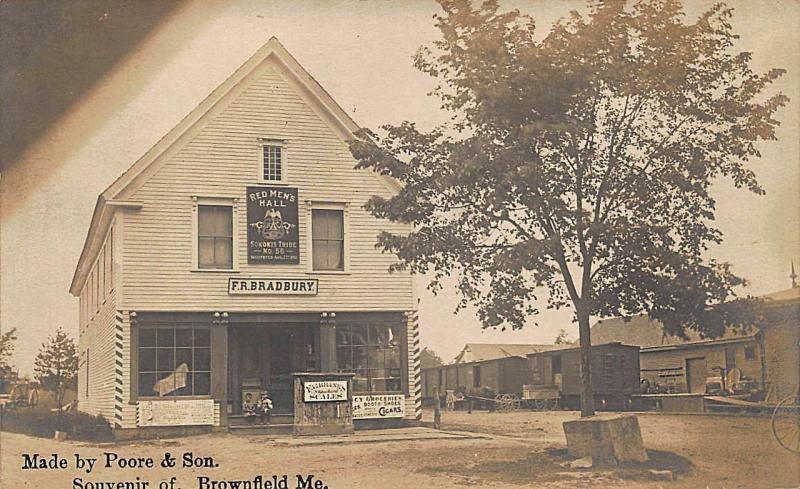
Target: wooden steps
{"points": [[278, 424], [262, 429]]}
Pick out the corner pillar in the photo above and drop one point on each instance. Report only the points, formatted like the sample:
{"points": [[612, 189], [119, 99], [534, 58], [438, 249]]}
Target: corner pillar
{"points": [[327, 342], [219, 364]]}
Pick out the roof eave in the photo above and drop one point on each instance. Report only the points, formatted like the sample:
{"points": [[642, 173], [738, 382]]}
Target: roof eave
{"points": [[698, 344], [81, 270]]}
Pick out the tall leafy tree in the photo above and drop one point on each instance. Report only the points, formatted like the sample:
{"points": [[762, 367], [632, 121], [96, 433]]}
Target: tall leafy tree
{"points": [[576, 168], [562, 338], [429, 358], [56, 365], [6, 349]]}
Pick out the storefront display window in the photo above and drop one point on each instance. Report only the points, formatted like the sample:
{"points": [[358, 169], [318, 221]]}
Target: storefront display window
{"points": [[174, 361], [372, 352]]}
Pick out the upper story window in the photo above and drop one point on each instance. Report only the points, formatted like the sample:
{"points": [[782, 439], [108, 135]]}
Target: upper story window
{"points": [[215, 237], [273, 162], [327, 243]]}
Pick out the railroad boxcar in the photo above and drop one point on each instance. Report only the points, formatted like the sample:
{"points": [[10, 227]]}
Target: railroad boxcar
{"points": [[500, 375], [555, 376]]}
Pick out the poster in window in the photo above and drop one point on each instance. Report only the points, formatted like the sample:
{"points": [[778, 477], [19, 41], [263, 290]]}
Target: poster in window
{"points": [[272, 225]]}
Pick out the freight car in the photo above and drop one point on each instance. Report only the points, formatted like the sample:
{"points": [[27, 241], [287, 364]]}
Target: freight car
{"points": [[501, 376], [555, 377]]}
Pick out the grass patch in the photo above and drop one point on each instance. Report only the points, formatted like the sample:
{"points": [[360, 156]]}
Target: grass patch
{"points": [[44, 424]]}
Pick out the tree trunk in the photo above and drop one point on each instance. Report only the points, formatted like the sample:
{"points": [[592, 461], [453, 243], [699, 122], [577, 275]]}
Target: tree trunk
{"points": [[587, 394]]}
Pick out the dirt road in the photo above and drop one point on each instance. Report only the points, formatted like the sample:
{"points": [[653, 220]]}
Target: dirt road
{"points": [[724, 451], [514, 450]]}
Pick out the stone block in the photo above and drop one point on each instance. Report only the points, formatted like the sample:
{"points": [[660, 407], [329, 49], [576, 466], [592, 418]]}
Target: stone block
{"points": [[608, 439]]}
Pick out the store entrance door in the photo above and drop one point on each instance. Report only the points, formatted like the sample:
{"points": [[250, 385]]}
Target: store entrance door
{"points": [[279, 370], [263, 360]]}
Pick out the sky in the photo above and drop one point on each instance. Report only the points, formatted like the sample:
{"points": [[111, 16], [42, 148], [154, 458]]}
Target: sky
{"points": [[361, 53]]}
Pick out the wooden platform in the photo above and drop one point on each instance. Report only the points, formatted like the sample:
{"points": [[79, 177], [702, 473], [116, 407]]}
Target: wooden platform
{"points": [[700, 403]]}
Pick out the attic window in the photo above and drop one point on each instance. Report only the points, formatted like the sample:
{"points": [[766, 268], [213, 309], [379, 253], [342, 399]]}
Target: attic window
{"points": [[272, 162]]}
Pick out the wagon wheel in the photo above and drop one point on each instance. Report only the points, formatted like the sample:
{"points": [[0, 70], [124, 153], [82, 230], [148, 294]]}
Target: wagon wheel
{"points": [[549, 404], [514, 402], [500, 402], [539, 404], [786, 423], [505, 402]]}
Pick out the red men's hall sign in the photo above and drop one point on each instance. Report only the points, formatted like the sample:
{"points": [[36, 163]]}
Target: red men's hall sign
{"points": [[272, 286], [272, 226]]}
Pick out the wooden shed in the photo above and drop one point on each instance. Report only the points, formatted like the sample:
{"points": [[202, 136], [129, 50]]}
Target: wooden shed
{"points": [[615, 374]]}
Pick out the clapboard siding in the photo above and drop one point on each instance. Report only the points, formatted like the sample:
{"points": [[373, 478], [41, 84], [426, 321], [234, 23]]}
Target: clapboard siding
{"points": [[221, 159], [782, 356], [97, 336]]}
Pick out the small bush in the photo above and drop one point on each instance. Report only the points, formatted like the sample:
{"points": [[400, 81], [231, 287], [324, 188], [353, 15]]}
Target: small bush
{"points": [[78, 426]]}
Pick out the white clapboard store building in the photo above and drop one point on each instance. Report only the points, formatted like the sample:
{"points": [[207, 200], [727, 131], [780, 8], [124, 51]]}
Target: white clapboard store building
{"points": [[237, 252]]}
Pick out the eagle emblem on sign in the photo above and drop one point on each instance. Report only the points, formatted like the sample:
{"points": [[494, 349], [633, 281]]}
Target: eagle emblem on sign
{"points": [[273, 226]]}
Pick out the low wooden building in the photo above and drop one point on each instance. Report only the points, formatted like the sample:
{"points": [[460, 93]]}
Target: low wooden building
{"points": [[684, 368], [779, 342], [768, 355]]}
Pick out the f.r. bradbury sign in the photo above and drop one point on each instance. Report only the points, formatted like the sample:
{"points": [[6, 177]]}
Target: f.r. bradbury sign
{"points": [[272, 225], [272, 286]]}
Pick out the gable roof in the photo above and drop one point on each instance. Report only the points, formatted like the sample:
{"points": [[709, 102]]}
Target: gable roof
{"points": [[644, 332], [782, 296], [137, 174], [637, 330], [478, 352]]}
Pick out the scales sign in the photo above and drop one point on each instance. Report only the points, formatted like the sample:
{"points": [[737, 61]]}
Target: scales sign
{"points": [[324, 390], [379, 406], [272, 225]]}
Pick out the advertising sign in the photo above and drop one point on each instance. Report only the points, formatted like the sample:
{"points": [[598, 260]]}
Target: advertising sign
{"points": [[325, 390], [179, 412], [272, 225], [272, 286], [379, 406]]}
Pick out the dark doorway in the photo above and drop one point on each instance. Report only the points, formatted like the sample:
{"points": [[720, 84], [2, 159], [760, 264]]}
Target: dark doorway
{"points": [[263, 358], [696, 375], [730, 358]]}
